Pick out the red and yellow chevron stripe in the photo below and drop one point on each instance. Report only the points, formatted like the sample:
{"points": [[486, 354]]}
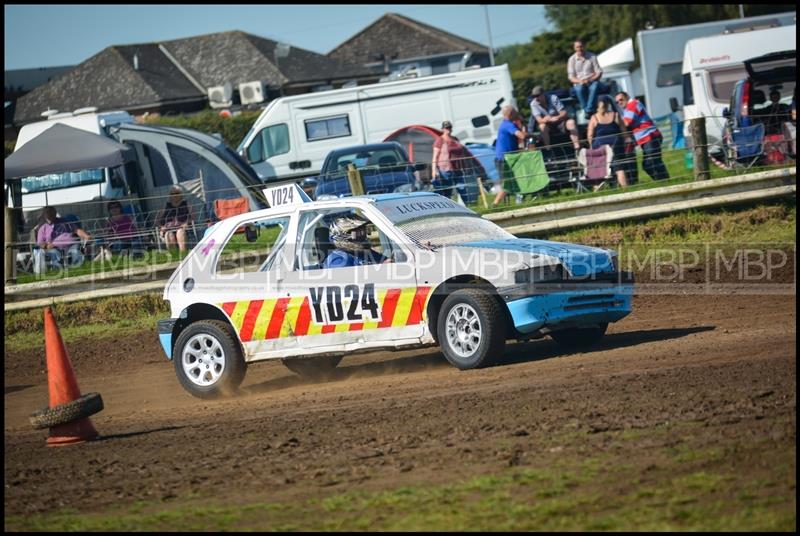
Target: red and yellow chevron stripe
{"points": [[284, 317]]}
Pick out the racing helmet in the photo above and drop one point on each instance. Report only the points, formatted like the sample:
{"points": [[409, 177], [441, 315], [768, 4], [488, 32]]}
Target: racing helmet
{"points": [[346, 233]]}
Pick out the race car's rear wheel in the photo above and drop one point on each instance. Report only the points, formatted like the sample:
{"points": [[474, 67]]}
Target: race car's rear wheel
{"points": [[471, 329], [317, 368], [208, 359], [577, 338]]}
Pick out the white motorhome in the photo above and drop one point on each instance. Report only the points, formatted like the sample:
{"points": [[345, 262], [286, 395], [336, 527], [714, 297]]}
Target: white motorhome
{"points": [[293, 134], [713, 65], [658, 77]]}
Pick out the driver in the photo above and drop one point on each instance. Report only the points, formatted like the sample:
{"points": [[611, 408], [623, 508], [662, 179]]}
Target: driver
{"points": [[349, 235]]}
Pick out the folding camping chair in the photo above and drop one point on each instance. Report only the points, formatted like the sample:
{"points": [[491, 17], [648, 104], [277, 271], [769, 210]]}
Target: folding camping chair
{"points": [[748, 144], [529, 171], [595, 168], [226, 208]]}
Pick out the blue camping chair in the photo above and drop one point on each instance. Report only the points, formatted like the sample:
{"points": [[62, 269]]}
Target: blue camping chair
{"points": [[748, 142]]}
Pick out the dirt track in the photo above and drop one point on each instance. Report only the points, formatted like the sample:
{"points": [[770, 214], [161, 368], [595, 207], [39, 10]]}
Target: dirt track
{"points": [[726, 363]]}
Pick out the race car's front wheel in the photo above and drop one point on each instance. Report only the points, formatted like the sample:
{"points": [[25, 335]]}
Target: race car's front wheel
{"points": [[315, 368], [577, 338], [471, 329], [208, 359]]}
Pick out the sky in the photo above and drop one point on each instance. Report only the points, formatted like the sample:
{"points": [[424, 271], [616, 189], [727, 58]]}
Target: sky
{"points": [[56, 35]]}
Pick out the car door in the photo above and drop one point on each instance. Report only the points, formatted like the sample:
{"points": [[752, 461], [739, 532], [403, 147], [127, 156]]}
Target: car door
{"points": [[358, 306], [246, 281]]}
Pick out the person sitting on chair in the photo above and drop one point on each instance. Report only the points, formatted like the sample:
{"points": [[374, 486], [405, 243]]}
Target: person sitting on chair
{"points": [[550, 115], [775, 114], [55, 238], [606, 128], [349, 235], [174, 219], [121, 232]]}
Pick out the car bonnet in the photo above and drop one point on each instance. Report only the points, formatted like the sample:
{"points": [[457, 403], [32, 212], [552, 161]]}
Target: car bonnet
{"points": [[579, 260]]}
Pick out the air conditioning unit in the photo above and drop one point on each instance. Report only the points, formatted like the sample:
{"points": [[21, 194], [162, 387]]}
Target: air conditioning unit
{"points": [[252, 92], [220, 96]]}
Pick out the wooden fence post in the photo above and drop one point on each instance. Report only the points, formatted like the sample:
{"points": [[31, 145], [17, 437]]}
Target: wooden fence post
{"points": [[356, 180], [9, 239], [700, 149]]}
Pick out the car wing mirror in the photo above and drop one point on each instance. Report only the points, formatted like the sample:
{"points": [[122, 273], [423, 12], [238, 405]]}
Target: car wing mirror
{"points": [[251, 233], [726, 112]]}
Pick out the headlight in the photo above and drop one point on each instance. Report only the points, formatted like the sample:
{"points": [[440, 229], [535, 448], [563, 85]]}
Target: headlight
{"points": [[538, 274]]}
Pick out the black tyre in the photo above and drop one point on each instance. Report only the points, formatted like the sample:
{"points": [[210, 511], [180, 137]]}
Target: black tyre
{"points": [[208, 359], [316, 368], [577, 338], [87, 405], [471, 329]]}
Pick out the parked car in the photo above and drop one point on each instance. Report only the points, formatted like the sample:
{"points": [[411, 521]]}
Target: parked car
{"points": [[385, 168], [437, 273], [751, 120]]}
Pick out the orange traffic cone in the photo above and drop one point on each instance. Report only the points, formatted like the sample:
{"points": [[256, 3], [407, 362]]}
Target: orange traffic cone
{"points": [[63, 387]]}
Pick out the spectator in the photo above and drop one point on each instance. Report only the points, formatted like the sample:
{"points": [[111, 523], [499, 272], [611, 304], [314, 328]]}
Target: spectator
{"points": [[647, 136], [349, 236], [606, 128], [121, 232], [519, 122], [508, 140], [776, 114], [174, 219], [584, 72], [549, 114], [448, 160], [55, 238]]}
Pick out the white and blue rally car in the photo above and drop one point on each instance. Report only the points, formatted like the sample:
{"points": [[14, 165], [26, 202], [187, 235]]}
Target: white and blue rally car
{"points": [[281, 283]]}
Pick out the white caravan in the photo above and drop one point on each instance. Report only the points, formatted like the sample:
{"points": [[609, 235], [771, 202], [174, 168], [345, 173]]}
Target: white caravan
{"points": [[203, 165], [713, 65], [658, 77], [293, 134]]}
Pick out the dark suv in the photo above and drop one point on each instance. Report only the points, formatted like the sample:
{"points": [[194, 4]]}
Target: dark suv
{"points": [[759, 112]]}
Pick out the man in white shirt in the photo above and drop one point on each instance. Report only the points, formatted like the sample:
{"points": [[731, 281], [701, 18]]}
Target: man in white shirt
{"points": [[584, 72]]}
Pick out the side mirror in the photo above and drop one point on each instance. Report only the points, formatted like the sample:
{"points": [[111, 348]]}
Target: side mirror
{"points": [[726, 112], [673, 104], [243, 154], [250, 233]]}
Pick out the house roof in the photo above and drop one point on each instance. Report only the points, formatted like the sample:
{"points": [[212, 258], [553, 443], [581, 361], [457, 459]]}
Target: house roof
{"points": [[395, 34], [108, 80]]}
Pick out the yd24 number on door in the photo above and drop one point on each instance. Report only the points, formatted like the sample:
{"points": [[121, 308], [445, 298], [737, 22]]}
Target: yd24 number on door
{"points": [[335, 304]]}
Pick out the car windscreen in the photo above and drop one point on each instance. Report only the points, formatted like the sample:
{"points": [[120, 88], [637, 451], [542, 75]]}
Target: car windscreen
{"points": [[368, 159], [450, 229]]}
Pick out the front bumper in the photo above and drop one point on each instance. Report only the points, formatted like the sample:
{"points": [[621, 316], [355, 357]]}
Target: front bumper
{"points": [[605, 298], [165, 335]]}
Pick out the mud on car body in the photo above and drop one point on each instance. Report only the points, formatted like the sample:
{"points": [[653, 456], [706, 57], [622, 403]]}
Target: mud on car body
{"points": [[255, 288]]}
